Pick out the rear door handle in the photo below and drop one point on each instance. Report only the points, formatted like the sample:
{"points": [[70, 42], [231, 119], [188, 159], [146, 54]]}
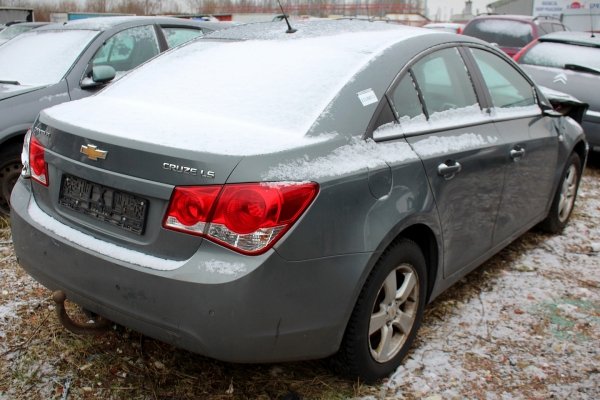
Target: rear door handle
{"points": [[517, 153], [448, 169]]}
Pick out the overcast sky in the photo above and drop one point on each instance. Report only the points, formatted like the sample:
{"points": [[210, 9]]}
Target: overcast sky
{"points": [[448, 7]]}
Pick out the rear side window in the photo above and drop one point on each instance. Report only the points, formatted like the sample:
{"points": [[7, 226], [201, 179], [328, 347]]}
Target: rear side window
{"points": [[448, 95], [179, 35], [507, 87], [504, 32], [406, 100], [444, 82]]}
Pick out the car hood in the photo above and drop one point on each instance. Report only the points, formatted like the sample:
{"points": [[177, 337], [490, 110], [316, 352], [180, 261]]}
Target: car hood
{"points": [[7, 91]]}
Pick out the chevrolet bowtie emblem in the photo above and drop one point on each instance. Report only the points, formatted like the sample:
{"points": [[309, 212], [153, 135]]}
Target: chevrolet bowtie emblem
{"points": [[93, 153]]}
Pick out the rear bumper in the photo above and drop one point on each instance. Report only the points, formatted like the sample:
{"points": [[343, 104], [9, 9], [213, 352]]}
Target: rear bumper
{"points": [[266, 310]]}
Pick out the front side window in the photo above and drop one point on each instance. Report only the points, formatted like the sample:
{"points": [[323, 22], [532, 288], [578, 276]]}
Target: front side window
{"points": [[128, 49], [507, 87]]}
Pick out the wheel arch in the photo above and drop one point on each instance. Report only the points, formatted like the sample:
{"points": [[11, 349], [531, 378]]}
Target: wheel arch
{"points": [[425, 238], [13, 138]]}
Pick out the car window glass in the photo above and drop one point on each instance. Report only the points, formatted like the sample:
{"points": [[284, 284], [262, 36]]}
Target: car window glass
{"points": [[444, 82], [544, 28], [557, 55], [177, 36], [508, 88], [128, 49], [406, 100], [447, 91]]}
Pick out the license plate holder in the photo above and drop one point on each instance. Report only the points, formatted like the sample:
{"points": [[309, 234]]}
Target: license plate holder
{"points": [[103, 203]]}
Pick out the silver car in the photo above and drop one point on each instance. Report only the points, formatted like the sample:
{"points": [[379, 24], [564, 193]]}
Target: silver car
{"points": [[568, 62], [62, 62], [262, 196]]}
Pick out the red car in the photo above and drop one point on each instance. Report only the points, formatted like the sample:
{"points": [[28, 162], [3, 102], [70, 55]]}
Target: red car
{"points": [[511, 32]]}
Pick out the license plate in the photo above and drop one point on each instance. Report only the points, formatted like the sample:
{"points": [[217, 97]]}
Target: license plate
{"points": [[117, 208]]}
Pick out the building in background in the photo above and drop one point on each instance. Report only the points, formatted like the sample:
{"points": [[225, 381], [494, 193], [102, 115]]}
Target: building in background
{"points": [[10, 14], [551, 8]]}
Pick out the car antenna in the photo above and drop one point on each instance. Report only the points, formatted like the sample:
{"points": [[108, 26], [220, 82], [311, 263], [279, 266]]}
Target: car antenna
{"points": [[290, 29], [592, 22]]}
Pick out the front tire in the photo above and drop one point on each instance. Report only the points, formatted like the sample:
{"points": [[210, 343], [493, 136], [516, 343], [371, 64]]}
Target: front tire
{"points": [[564, 199], [10, 170], [387, 315]]}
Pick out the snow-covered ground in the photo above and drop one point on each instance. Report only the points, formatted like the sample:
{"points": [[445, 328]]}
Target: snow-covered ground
{"points": [[526, 325]]}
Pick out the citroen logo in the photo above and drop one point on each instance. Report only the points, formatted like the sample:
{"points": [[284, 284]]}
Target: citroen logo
{"points": [[562, 78], [93, 153]]}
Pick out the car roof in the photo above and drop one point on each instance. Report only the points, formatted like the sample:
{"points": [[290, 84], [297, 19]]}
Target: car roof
{"points": [[106, 23], [524, 18], [311, 29], [577, 38]]}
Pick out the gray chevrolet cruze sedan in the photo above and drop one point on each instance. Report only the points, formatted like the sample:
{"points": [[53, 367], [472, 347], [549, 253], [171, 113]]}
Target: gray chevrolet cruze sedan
{"points": [[262, 196]]}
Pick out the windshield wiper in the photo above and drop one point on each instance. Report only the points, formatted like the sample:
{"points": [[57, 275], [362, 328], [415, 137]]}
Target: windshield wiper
{"points": [[582, 68], [10, 82]]}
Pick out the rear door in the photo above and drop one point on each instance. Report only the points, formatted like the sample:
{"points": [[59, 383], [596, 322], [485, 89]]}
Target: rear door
{"points": [[456, 142], [529, 144]]}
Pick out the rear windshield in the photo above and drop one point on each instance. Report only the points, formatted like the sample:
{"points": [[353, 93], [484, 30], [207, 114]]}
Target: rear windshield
{"points": [[505, 33], [282, 85], [549, 54], [42, 57]]}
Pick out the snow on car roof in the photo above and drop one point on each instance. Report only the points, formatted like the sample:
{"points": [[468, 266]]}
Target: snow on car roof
{"points": [[235, 98], [102, 23]]}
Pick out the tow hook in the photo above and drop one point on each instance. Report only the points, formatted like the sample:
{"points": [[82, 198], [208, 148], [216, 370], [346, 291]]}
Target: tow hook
{"points": [[97, 327]]}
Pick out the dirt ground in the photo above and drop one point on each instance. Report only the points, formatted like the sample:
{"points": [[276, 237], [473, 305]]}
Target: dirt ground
{"points": [[525, 325]]}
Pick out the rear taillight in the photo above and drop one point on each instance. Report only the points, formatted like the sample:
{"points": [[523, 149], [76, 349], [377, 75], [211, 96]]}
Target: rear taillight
{"points": [[37, 162], [248, 218], [190, 208], [26, 171]]}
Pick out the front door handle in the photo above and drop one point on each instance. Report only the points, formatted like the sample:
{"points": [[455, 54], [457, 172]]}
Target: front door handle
{"points": [[517, 153], [448, 169]]}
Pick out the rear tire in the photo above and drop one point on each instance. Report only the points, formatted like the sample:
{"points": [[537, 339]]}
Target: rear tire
{"points": [[387, 315], [564, 198], [10, 170]]}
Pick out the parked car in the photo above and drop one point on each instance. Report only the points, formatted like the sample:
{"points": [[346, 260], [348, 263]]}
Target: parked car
{"points": [[308, 204], [511, 32], [450, 27], [568, 62], [17, 29], [72, 60]]}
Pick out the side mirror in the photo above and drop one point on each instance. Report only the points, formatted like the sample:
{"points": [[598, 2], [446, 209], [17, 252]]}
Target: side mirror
{"points": [[101, 74]]}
